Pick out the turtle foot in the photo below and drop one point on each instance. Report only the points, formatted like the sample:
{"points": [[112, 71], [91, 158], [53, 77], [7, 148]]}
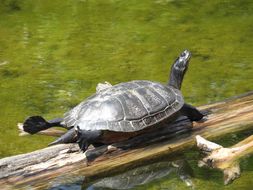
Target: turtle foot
{"points": [[35, 124], [83, 144], [85, 138]]}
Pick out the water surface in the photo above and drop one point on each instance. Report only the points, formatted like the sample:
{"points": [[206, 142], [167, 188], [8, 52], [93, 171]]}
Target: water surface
{"points": [[53, 53]]}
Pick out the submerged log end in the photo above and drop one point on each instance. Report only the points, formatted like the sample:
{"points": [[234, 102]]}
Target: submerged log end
{"points": [[231, 173], [224, 159]]}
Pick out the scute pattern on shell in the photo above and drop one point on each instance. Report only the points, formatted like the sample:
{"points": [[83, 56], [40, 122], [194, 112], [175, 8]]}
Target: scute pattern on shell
{"points": [[126, 107]]}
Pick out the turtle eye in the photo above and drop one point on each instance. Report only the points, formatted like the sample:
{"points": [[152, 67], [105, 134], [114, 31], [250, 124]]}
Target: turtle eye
{"points": [[185, 54]]}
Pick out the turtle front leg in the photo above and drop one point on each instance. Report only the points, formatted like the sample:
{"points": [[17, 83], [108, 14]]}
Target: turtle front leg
{"points": [[86, 138], [191, 112]]}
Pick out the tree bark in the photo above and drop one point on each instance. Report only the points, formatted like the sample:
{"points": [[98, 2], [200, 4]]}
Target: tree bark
{"points": [[58, 163]]}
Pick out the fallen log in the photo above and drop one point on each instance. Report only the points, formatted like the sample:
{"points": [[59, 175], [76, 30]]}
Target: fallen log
{"points": [[53, 165]]}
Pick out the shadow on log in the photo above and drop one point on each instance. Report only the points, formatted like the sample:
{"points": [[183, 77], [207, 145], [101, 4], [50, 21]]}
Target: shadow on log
{"points": [[38, 168]]}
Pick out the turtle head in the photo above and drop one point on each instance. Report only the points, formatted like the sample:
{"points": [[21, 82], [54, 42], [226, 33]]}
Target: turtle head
{"points": [[178, 69], [182, 61]]}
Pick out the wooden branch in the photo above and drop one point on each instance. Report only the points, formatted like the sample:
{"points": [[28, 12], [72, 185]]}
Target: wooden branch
{"points": [[224, 159], [54, 163]]}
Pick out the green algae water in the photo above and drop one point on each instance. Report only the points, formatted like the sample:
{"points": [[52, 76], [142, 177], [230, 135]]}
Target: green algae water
{"points": [[53, 53]]}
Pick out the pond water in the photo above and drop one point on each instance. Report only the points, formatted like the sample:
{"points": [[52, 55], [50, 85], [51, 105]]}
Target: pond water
{"points": [[53, 53]]}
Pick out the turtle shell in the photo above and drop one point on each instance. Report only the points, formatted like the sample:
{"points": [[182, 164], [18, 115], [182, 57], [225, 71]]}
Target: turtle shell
{"points": [[126, 107]]}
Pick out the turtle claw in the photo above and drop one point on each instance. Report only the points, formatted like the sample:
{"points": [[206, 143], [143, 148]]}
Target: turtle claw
{"points": [[205, 112], [83, 144]]}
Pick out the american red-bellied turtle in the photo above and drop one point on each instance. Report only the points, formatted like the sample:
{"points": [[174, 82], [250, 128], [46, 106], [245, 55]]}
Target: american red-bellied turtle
{"points": [[118, 112]]}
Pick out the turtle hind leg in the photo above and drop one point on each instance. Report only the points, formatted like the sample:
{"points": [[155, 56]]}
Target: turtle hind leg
{"points": [[34, 124], [69, 137], [191, 112], [85, 138]]}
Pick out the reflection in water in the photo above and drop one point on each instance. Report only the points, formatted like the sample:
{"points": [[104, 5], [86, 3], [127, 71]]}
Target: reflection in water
{"points": [[66, 183], [144, 175], [138, 177]]}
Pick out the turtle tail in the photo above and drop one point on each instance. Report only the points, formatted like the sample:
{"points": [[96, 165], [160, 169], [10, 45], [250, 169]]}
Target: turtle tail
{"points": [[69, 137], [178, 69]]}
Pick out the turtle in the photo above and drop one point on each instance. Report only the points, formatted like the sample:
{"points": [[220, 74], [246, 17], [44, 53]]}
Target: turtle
{"points": [[118, 112]]}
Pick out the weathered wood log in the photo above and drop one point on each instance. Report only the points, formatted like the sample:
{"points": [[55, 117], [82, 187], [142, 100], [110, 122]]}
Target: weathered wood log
{"points": [[51, 164], [224, 159]]}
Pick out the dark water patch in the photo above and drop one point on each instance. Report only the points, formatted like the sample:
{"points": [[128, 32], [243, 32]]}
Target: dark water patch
{"points": [[12, 5], [11, 73], [203, 57]]}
